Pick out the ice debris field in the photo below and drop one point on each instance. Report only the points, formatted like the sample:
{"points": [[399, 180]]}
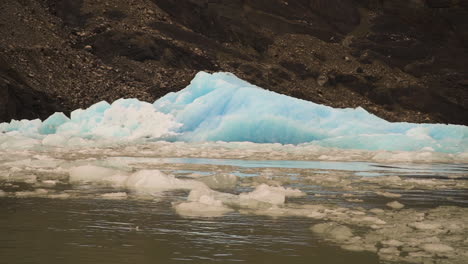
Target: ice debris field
{"points": [[222, 107]]}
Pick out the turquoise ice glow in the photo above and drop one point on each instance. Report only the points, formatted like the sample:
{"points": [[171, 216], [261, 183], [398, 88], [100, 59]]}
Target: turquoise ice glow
{"points": [[222, 107]]}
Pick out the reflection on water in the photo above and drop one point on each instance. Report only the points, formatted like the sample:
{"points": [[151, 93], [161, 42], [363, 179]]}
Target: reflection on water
{"points": [[130, 231]]}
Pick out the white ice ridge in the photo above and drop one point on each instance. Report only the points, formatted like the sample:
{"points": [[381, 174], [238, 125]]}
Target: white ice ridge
{"points": [[222, 107]]}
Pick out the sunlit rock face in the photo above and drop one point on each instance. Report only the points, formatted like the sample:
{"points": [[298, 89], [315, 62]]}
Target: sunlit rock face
{"points": [[222, 107]]}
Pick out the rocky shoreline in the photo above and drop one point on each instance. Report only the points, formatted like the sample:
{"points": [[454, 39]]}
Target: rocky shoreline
{"points": [[401, 60]]}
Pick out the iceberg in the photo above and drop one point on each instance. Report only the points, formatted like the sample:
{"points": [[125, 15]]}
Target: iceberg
{"points": [[222, 107]]}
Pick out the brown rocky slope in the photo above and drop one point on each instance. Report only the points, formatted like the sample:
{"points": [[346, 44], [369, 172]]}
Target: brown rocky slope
{"points": [[402, 60]]}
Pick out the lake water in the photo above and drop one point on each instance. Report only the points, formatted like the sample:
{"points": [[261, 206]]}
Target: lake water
{"points": [[172, 203]]}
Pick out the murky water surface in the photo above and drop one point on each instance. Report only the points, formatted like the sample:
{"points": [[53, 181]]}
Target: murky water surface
{"points": [[38, 230], [228, 210]]}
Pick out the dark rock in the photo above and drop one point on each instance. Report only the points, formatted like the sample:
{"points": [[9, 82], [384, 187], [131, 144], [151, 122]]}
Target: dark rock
{"points": [[115, 14], [410, 56], [69, 11], [88, 48], [18, 100], [439, 3], [322, 80]]}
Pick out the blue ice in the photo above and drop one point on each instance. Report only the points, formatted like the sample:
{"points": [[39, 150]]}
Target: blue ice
{"points": [[222, 107]]}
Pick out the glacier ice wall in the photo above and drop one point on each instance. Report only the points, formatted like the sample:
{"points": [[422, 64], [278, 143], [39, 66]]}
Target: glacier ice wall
{"points": [[222, 107]]}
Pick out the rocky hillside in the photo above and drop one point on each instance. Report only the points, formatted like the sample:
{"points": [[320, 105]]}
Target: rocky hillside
{"points": [[402, 60]]}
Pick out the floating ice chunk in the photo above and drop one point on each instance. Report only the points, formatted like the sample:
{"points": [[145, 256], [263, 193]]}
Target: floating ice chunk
{"points": [[18, 175], [377, 211], [96, 175], [316, 215], [424, 226], [263, 196], [155, 180], [31, 179], [115, 195], [269, 194], [35, 193], [389, 251], [371, 220], [359, 248], [206, 206], [333, 231], [59, 196], [90, 173], [196, 195], [437, 248], [219, 181], [392, 243], [3, 193], [395, 205], [196, 209], [388, 194]]}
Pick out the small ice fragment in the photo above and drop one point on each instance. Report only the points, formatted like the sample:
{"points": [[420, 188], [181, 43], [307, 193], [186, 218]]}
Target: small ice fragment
{"points": [[359, 248], [205, 206], [219, 181], [116, 195], [372, 220], [35, 193], [316, 215], [376, 211], [355, 200], [59, 196], [333, 231], [199, 209], [389, 251], [392, 243], [31, 180], [270, 194], [425, 226], [395, 205], [96, 175], [49, 183], [436, 248], [388, 194], [155, 180]]}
